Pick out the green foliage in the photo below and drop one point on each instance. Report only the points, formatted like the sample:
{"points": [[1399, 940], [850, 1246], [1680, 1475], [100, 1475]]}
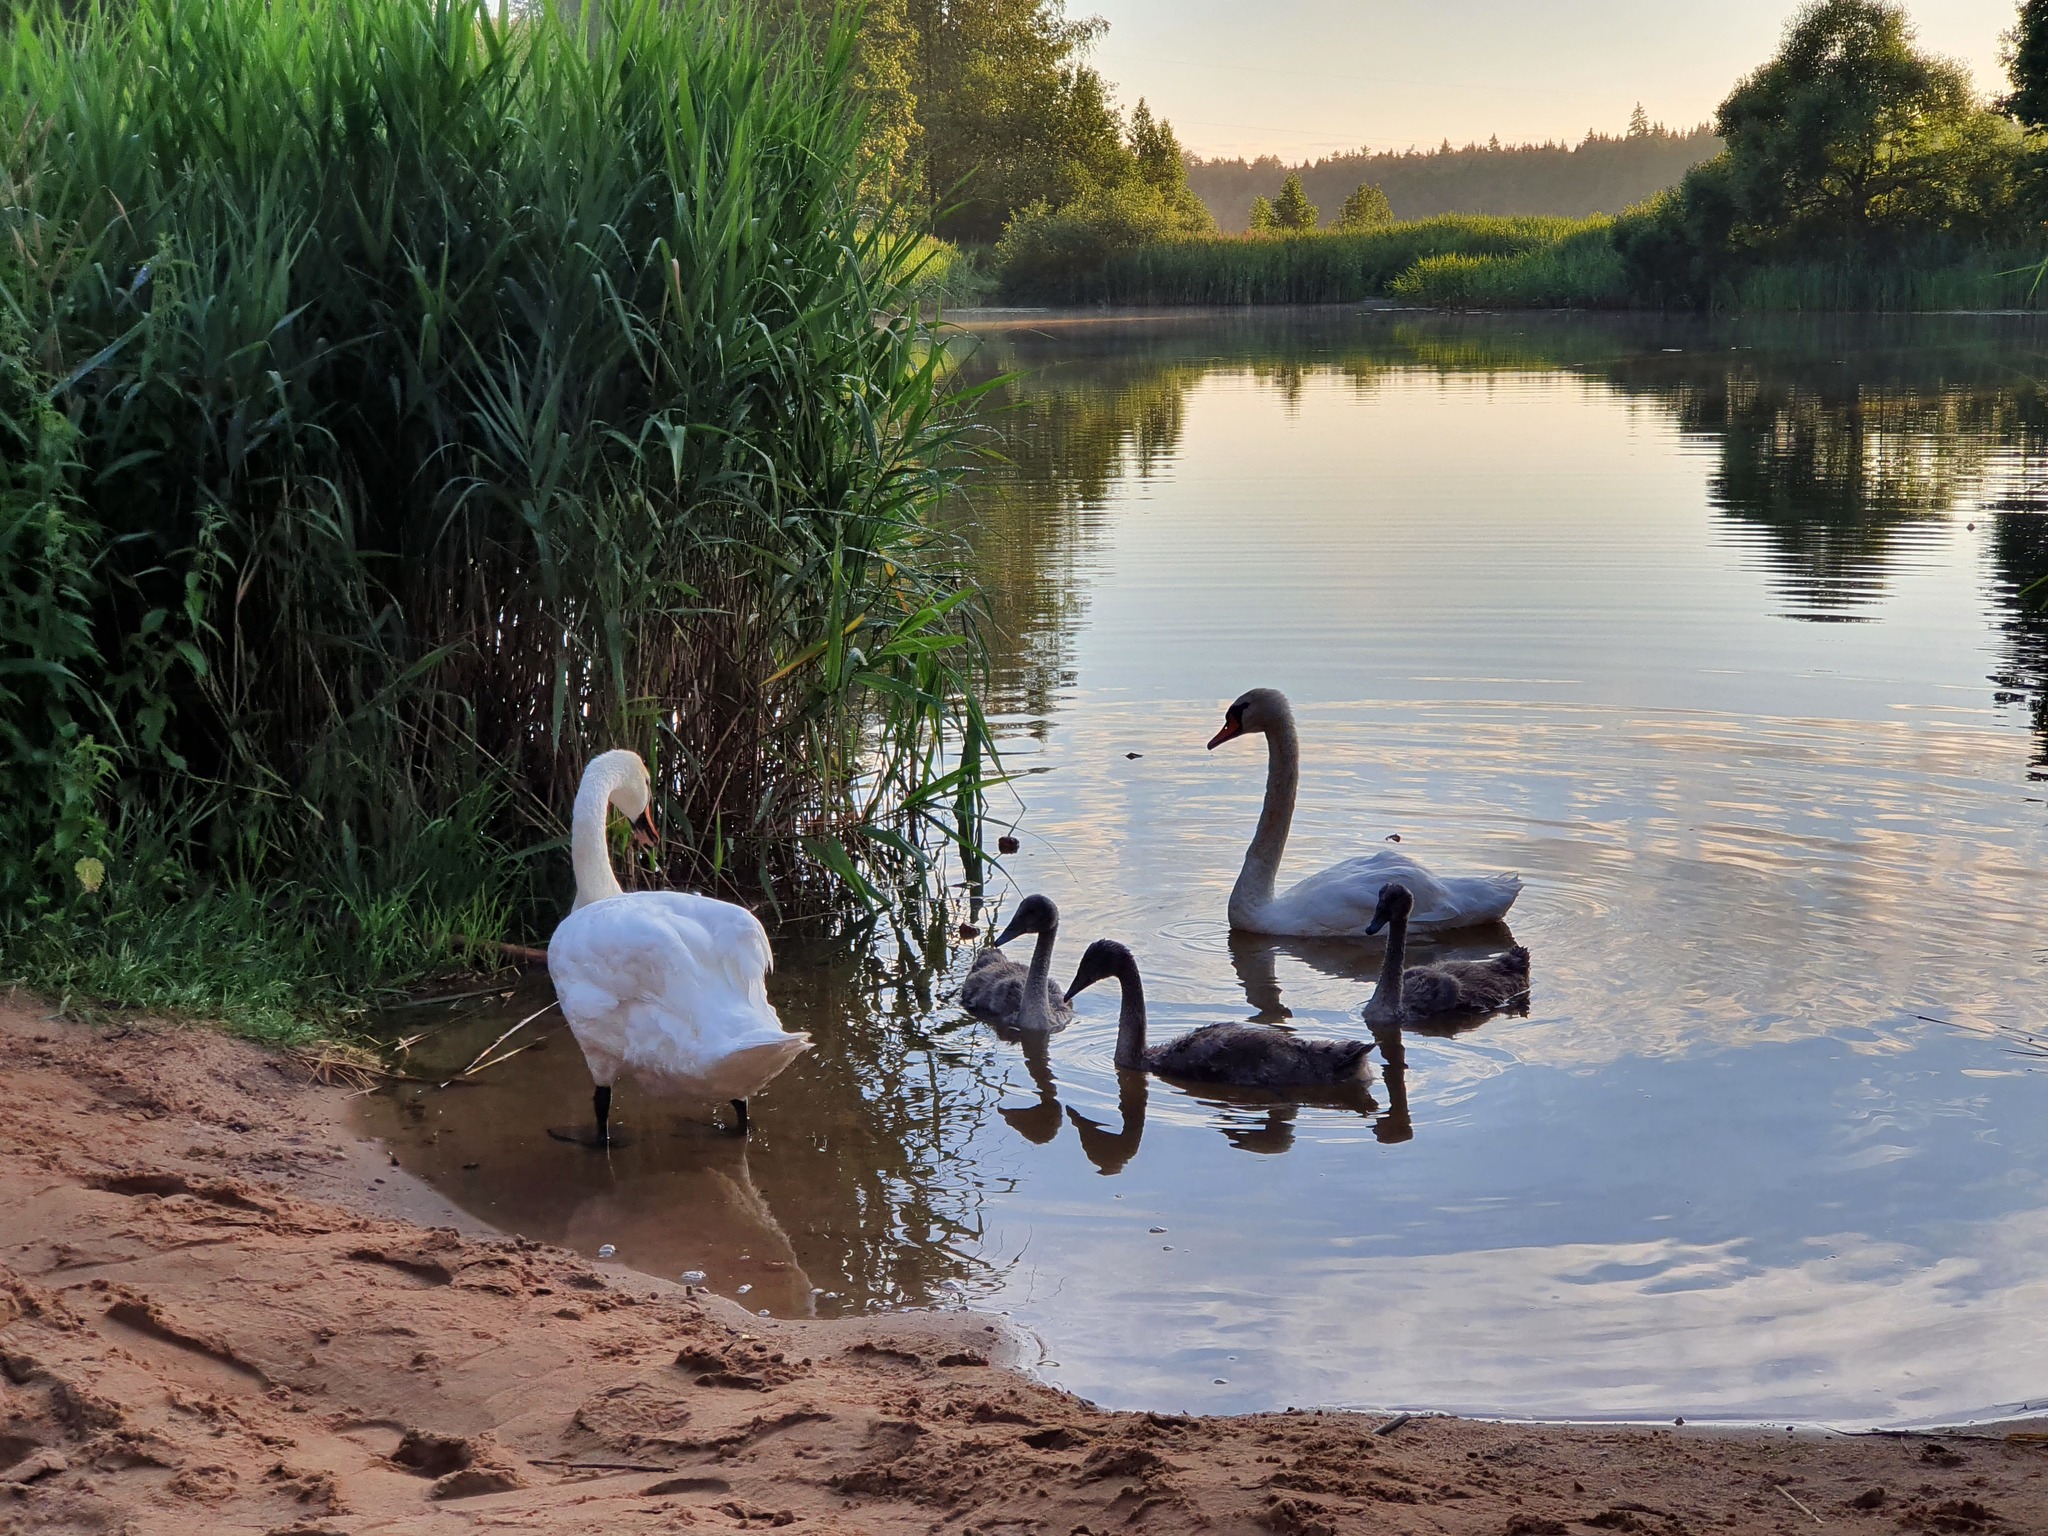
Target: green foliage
{"points": [[1847, 146], [1260, 221], [1045, 252], [1849, 130], [1159, 163], [1365, 209], [52, 702], [452, 394], [1293, 213], [2026, 63], [1009, 115]]}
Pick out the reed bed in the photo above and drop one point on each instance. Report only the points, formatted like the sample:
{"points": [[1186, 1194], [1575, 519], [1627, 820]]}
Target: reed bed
{"points": [[1316, 268], [1980, 278], [418, 397]]}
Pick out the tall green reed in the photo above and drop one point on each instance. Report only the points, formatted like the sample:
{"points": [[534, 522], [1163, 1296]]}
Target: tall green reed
{"points": [[1323, 268], [455, 392]]}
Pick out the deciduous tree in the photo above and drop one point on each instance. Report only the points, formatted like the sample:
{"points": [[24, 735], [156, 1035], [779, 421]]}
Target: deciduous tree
{"points": [[1366, 208]]}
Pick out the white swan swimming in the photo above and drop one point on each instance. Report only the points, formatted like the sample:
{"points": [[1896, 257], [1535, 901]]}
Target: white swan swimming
{"points": [[668, 987], [1339, 901]]}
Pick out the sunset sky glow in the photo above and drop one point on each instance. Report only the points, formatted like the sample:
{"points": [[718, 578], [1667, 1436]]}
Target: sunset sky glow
{"points": [[1303, 78]]}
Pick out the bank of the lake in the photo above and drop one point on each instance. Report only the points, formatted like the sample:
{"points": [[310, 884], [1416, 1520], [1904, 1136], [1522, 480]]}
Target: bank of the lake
{"points": [[1457, 261], [222, 1310]]}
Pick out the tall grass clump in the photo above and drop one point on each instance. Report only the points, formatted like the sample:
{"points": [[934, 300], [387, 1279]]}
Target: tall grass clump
{"points": [[1316, 268], [416, 397], [1580, 271]]}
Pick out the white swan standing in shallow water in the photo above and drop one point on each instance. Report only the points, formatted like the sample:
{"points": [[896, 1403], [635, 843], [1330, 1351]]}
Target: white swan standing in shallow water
{"points": [[668, 987], [1338, 902]]}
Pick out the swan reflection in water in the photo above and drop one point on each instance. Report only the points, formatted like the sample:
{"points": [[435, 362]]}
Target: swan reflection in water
{"points": [[681, 1196]]}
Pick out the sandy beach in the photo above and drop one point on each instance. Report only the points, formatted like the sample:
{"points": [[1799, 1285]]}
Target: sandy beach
{"points": [[224, 1310]]}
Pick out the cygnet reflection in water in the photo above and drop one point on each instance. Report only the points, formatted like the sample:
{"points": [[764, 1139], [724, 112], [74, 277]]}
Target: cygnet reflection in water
{"points": [[1256, 959], [1253, 1119], [1037, 1123], [1250, 1119]]}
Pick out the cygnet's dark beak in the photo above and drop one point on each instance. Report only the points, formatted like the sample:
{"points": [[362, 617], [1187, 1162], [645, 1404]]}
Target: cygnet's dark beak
{"points": [[1010, 931], [1379, 921], [650, 835], [1231, 728]]}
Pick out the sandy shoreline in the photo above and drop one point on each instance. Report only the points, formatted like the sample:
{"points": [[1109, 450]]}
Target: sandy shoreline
{"points": [[220, 1310]]}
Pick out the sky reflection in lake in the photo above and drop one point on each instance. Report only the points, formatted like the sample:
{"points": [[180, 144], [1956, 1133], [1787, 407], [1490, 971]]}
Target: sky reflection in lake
{"points": [[1681, 621]]}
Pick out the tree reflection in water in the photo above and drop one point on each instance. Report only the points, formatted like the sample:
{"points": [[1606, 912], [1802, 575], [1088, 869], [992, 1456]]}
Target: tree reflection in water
{"points": [[1843, 445]]}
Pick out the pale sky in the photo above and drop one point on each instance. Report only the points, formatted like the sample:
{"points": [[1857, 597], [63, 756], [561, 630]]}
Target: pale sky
{"points": [[1302, 78]]}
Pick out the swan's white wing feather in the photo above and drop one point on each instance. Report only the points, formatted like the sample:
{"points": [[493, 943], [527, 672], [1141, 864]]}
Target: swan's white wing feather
{"points": [[671, 988], [1340, 900]]}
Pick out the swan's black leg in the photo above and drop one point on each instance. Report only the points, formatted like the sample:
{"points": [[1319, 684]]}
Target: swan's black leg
{"points": [[740, 1108], [601, 1101]]}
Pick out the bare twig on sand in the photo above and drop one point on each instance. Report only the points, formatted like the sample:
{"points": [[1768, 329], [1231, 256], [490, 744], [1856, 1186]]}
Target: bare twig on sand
{"points": [[1794, 1502]]}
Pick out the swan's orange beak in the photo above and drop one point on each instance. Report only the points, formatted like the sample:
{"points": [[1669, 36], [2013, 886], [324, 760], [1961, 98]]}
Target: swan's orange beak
{"points": [[1231, 729], [651, 836]]}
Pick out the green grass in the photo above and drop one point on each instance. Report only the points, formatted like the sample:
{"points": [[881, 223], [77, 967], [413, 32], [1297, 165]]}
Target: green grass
{"points": [[417, 398]]}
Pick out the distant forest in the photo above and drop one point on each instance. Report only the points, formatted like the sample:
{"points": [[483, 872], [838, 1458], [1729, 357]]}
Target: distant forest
{"points": [[1603, 174]]}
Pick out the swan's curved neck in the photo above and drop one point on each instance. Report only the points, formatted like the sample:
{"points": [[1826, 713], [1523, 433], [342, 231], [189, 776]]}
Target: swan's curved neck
{"points": [[588, 851], [1035, 1010], [1254, 888], [1130, 1018], [1386, 1000]]}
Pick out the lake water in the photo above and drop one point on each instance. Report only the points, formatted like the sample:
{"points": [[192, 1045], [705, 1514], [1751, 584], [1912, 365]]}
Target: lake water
{"points": [[1686, 622]]}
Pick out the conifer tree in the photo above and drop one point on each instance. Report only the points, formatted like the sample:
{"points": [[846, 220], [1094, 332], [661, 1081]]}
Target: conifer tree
{"points": [[1292, 211]]}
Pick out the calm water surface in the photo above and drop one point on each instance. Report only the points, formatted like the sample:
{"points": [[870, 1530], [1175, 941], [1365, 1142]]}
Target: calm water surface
{"points": [[1686, 623]]}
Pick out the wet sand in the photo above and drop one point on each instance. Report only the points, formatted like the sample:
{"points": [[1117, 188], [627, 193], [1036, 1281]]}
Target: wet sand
{"points": [[220, 1310]]}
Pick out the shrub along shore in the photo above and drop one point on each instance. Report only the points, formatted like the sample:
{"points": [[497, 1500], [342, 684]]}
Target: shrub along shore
{"points": [[404, 399]]}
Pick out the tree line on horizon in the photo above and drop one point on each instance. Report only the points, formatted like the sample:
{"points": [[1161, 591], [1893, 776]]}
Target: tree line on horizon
{"points": [[1603, 173]]}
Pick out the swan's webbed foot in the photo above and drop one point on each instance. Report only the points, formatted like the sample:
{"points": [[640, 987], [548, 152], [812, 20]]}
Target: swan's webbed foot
{"points": [[599, 1136]]}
